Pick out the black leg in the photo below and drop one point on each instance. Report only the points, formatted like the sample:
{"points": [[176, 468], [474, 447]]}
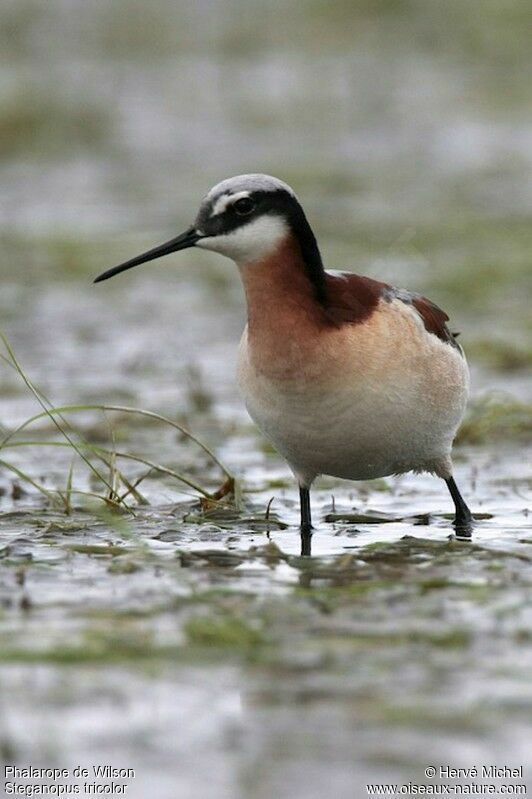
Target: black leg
{"points": [[463, 520], [306, 521]]}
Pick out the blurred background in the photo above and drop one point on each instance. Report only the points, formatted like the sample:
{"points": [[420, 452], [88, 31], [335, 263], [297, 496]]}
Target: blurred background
{"points": [[405, 127]]}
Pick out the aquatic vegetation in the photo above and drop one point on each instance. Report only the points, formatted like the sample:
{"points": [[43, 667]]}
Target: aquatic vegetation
{"points": [[119, 491], [31, 123], [501, 355], [496, 417], [224, 632]]}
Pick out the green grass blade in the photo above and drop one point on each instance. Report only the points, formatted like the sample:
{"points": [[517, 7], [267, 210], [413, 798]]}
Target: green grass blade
{"points": [[121, 409], [23, 476], [47, 411]]}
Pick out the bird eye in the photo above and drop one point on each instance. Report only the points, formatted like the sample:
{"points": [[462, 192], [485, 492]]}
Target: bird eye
{"points": [[244, 206]]}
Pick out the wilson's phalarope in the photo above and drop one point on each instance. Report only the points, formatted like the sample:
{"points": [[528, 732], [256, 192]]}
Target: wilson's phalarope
{"points": [[346, 375]]}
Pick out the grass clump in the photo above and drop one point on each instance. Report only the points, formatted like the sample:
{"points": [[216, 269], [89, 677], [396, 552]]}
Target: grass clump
{"points": [[113, 487], [496, 417], [36, 125], [98, 647], [227, 632], [503, 356]]}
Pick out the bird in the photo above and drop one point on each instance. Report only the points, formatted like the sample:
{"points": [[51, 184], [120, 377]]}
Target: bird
{"points": [[346, 375]]}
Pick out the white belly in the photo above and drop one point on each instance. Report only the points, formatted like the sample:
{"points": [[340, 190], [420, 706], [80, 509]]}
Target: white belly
{"points": [[393, 406]]}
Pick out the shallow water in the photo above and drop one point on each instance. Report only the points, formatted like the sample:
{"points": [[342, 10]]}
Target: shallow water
{"points": [[193, 643]]}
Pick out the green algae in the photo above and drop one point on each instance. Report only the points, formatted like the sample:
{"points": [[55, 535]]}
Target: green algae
{"points": [[233, 634]]}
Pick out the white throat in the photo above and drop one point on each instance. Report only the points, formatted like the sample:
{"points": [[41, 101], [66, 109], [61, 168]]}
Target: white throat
{"points": [[249, 243]]}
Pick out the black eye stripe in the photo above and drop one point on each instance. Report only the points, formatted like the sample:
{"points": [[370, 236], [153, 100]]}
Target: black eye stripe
{"points": [[227, 219], [244, 206]]}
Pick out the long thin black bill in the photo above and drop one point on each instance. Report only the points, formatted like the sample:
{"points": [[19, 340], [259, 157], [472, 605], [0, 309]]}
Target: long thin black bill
{"points": [[186, 239]]}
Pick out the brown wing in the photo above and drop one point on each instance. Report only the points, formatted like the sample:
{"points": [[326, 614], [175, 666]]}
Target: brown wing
{"points": [[434, 319], [352, 298]]}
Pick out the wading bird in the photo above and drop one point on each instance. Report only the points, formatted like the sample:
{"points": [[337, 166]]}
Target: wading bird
{"points": [[346, 375]]}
